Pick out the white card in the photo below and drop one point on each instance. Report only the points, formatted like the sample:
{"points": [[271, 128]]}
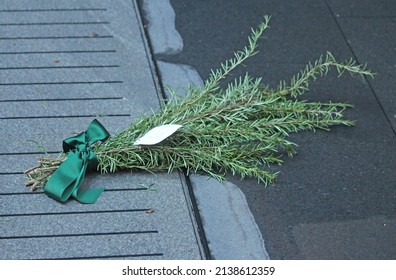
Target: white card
{"points": [[157, 134]]}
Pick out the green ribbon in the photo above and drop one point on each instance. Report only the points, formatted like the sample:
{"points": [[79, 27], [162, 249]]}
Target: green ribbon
{"points": [[66, 180]]}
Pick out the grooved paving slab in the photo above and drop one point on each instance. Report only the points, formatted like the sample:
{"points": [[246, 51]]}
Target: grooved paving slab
{"points": [[62, 64]]}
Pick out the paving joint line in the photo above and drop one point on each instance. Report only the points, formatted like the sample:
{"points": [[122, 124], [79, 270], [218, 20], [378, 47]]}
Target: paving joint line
{"points": [[79, 234], [108, 257], [365, 78]]}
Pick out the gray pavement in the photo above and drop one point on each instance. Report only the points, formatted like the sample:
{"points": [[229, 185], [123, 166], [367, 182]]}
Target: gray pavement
{"points": [[63, 64]]}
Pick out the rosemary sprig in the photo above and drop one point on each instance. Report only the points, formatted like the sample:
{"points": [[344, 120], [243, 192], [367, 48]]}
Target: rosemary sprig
{"points": [[241, 128]]}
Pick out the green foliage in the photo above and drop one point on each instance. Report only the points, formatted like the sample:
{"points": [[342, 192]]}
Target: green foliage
{"points": [[240, 128]]}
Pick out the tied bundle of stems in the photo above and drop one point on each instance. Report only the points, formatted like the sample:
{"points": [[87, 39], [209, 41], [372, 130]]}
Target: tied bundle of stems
{"points": [[239, 129]]}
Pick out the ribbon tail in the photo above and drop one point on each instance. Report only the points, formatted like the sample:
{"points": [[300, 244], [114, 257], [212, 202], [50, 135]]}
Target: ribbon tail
{"points": [[66, 180], [88, 196], [62, 182]]}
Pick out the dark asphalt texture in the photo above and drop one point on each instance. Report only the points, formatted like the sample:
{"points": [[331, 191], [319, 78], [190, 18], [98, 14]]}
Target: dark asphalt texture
{"points": [[336, 199]]}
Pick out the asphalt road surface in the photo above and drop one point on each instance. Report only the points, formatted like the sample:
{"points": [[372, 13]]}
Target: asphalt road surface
{"points": [[336, 199]]}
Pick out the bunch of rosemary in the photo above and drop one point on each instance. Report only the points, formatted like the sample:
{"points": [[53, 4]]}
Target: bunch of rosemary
{"points": [[240, 128]]}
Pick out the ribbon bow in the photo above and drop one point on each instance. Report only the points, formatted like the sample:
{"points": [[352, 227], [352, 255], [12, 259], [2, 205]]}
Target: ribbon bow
{"points": [[66, 180]]}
